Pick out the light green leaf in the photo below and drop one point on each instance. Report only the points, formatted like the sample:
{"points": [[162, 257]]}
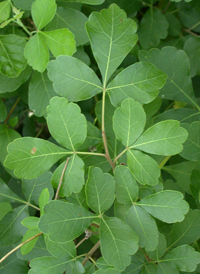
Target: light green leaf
{"points": [[126, 186], [145, 227], [30, 222], [33, 188], [191, 148], [153, 27], [118, 242], [46, 265], [7, 135], [60, 42], [144, 168], [4, 11], [140, 81], [64, 251], [37, 53], [129, 121], [176, 65], [11, 229], [7, 195], [167, 206], [43, 200], [30, 245], [5, 207], [187, 231], [72, 19], [73, 178], [43, 12], [40, 92], [30, 157], [66, 123], [164, 138], [12, 60], [70, 74], [192, 47], [64, 221], [184, 258], [160, 249], [100, 190], [112, 36]]}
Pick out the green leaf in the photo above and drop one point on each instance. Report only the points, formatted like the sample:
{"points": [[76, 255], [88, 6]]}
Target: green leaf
{"points": [[64, 251], [145, 227], [89, 2], [72, 19], [176, 65], [120, 210], [66, 124], [7, 135], [24, 5], [12, 60], [149, 268], [144, 168], [187, 231], [30, 157], [37, 53], [118, 242], [153, 27], [33, 188], [4, 11], [60, 42], [46, 265], [126, 186], [73, 178], [7, 195], [184, 258], [112, 36], [137, 262], [100, 190], [40, 92], [11, 229], [152, 107], [30, 222], [160, 249], [30, 245], [43, 12], [175, 27], [5, 207], [164, 138], [191, 148], [63, 221], [140, 81], [3, 111], [43, 200], [68, 73], [129, 121], [165, 268], [195, 186], [167, 206]]}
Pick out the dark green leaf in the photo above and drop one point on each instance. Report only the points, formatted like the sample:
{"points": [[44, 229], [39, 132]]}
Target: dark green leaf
{"points": [[137, 262], [160, 249], [192, 47], [7, 195]]}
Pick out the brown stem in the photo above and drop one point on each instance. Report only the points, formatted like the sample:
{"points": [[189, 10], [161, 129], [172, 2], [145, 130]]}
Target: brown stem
{"points": [[95, 247], [191, 32], [61, 178], [20, 245], [11, 111]]}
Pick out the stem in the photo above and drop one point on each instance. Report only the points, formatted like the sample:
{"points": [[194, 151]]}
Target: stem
{"points": [[17, 247], [19, 22], [190, 32], [33, 206], [91, 153], [61, 178], [120, 154], [196, 25], [83, 240], [169, 3], [95, 247], [164, 162], [103, 132], [39, 132], [11, 111]]}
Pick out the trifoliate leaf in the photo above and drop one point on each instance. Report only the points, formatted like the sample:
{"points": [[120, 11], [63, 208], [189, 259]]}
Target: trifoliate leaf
{"points": [[100, 190], [129, 121], [66, 123]]}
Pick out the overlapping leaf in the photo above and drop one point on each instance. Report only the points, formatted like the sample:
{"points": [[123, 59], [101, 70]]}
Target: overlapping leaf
{"points": [[129, 121], [140, 81], [73, 79], [7, 195], [167, 206], [12, 60], [144, 168], [176, 65], [126, 186], [66, 124], [118, 242], [145, 227], [100, 190], [64, 251], [73, 178], [30, 157], [160, 249], [192, 47], [64, 221], [112, 36]]}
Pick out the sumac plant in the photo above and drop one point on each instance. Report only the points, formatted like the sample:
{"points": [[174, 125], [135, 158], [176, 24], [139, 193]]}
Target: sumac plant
{"points": [[99, 137]]}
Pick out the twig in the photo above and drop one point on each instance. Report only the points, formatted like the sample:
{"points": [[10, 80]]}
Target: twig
{"points": [[190, 32], [61, 178], [166, 8], [95, 247], [11, 111], [20, 245], [118, 156]]}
